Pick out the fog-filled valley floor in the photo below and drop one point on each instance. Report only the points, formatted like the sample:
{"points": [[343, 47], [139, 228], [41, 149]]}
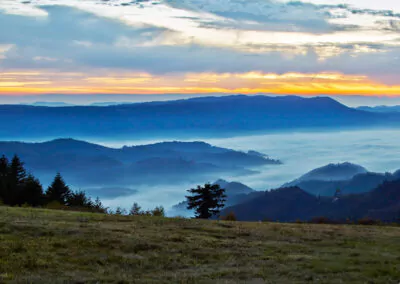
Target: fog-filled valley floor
{"points": [[300, 152]]}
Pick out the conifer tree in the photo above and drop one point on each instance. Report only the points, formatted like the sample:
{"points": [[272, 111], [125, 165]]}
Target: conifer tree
{"points": [[32, 192], [79, 199], [4, 168], [206, 200], [58, 190], [99, 207], [16, 180]]}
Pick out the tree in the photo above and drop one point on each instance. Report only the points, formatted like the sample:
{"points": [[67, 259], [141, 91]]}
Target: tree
{"points": [[159, 211], [99, 207], [135, 210], [58, 190], [17, 177], [4, 169], [32, 192], [120, 211], [207, 200], [79, 199]]}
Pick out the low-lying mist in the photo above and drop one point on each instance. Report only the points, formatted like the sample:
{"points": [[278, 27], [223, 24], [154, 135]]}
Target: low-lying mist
{"points": [[377, 150]]}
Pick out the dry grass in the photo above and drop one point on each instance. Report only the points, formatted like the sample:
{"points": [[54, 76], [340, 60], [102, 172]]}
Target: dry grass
{"points": [[44, 246]]}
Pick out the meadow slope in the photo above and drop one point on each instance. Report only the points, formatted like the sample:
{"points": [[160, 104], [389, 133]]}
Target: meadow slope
{"points": [[44, 246]]}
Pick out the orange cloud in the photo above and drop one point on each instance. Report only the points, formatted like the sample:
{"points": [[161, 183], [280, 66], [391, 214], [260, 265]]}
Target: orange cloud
{"points": [[34, 82]]}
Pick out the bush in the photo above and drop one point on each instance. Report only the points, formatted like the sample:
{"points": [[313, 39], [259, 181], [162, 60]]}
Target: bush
{"points": [[55, 205], [229, 217], [159, 211], [368, 222], [321, 220], [135, 210]]}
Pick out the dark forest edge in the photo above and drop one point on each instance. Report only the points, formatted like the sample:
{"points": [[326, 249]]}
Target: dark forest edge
{"points": [[22, 189]]}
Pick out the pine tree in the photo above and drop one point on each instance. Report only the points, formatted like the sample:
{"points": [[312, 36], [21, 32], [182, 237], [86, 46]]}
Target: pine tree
{"points": [[206, 200], [99, 207], [33, 191], [58, 190], [4, 169], [16, 180], [79, 199]]}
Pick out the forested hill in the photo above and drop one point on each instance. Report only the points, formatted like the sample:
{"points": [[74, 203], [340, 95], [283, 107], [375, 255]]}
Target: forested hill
{"points": [[90, 165]]}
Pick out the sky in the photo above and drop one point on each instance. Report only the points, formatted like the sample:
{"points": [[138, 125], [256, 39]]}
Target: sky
{"points": [[308, 47]]}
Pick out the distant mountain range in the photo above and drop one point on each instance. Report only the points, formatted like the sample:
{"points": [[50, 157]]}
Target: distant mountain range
{"points": [[318, 184], [362, 194], [292, 204], [347, 177], [98, 168], [208, 116], [380, 109]]}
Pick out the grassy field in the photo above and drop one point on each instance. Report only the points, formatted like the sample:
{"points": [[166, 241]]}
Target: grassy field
{"points": [[44, 246]]}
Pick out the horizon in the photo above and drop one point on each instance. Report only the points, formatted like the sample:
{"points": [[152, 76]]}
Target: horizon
{"points": [[199, 47], [106, 99]]}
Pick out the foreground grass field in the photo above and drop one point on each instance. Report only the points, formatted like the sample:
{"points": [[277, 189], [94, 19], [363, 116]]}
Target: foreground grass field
{"points": [[43, 246]]}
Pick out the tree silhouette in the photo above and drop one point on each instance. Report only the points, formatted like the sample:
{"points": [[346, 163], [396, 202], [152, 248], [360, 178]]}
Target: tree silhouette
{"points": [[207, 200], [32, 192], [3, 178], [58, 190], [135, 210], [17, 177], [79, 199]]}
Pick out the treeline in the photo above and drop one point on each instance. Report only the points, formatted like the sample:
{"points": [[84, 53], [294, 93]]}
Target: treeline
{"points": [[20, 188]]}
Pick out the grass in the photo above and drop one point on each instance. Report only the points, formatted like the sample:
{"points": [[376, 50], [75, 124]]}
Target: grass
{"points": [[45, 246]]}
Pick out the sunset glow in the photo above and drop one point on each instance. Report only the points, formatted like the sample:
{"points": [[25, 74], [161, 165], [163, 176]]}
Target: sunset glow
{"points": [[199, 46]]}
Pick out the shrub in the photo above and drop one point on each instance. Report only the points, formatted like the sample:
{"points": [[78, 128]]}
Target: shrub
{"points": [[159, 211], [135, 210], [55, 205], [368, 222], [321, 220], [229, 217]]}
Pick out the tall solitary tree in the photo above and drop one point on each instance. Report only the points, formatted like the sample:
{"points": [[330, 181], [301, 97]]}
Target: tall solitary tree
{"points": [[58, 190], [206, 200]]}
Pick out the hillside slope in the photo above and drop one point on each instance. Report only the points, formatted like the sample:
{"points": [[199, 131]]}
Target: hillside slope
{"points": [[293, 203], [41, 246]]}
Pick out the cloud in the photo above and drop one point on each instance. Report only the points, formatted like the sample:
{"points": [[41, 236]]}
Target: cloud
{"points": [[168, 39], [4, 48]]}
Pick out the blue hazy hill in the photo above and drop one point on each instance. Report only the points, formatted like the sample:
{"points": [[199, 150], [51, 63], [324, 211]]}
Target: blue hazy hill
{"points": [[207, 116], [94, 166]]}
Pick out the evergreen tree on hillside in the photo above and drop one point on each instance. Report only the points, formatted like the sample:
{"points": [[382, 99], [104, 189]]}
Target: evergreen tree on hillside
{"points": [[16, 179], [3, 178], [79, 199], [58, 190], [33, 191], [99, 207], [207, 200]]}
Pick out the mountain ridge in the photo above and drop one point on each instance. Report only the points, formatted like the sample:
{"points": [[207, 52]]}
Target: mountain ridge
{"points": [[199, 117]]}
